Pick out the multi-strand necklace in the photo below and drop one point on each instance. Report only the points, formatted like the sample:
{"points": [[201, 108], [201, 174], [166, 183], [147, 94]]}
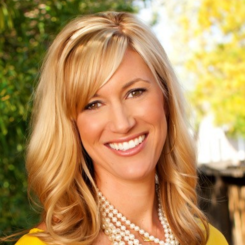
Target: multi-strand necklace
{"points": [[117, 227]]}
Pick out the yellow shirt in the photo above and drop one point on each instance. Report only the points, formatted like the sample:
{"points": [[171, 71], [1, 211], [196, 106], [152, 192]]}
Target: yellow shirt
{"points": [[31, 240], [215, 238]]}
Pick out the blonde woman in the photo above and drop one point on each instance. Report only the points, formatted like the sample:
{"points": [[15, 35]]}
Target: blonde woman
{"points": [[110, 158]]}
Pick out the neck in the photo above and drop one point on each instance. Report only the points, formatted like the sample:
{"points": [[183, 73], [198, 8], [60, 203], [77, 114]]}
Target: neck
{"points": [[134, 199]]}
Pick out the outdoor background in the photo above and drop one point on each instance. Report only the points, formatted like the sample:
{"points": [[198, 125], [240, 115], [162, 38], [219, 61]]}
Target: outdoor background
{"points": [[205, 41]]}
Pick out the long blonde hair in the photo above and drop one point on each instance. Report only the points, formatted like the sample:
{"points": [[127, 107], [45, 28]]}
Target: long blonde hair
{"points": [[82, 58]]}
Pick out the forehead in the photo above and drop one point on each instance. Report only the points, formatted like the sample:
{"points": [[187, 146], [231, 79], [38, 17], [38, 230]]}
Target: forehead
{"points": [[131, 70], [132, 67]]}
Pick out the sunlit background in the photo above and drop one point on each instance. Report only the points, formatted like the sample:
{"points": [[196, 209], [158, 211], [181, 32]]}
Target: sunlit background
{"points": [[204, 40]]}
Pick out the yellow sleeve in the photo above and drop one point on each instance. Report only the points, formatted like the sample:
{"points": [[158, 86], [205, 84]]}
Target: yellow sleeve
{"points": [[30, 240], [216, 237]]}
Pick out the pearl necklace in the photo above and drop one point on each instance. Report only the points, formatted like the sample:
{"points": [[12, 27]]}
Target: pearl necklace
{"points": [[116, 226]]}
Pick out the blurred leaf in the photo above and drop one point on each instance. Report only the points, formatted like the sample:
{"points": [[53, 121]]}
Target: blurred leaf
{"points": [[218, 61], [27, 29]]}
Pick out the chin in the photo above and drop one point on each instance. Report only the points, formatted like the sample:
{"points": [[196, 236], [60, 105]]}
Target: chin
{"points": [[137, 174]]}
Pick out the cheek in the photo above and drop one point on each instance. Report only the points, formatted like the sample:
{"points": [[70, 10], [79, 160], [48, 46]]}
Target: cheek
{"points": [[89, 128], [156, 116], [153, 109]]}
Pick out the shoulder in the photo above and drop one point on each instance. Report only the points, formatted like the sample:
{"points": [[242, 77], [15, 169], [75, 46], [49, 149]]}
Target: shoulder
{"points": [[30, 240], [216, 237]]}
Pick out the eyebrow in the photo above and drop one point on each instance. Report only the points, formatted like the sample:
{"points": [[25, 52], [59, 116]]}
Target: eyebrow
{"points": [[133, 82], [128, 84]]}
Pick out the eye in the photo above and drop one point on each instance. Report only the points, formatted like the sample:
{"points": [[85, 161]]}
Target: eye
{"points": [[93, 105], [136, 92]]}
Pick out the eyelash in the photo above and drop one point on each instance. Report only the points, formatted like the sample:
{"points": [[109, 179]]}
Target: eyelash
{"points": [[134, 91], [91, 106]]}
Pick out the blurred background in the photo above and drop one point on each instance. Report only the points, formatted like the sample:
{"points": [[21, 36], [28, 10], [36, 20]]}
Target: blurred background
{"points": [[204, 40]]}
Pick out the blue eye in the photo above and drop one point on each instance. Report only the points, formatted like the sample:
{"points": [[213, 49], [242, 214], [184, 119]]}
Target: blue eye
{"points": [[136, 92], [93, 105]]}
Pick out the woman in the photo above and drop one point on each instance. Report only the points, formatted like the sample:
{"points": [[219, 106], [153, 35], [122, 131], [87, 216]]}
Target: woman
{"points": [[110, 157]]}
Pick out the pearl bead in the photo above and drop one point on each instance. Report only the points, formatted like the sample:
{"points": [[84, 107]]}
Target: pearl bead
{"points": [[151, 238], [136, 228], [118, 237], [156, 240], [136, 242], [123, 228], [132, 226], [128, 222], [118, 232]]}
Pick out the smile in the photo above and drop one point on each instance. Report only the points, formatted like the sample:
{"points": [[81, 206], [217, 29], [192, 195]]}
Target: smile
{"points": [[124, 146]]}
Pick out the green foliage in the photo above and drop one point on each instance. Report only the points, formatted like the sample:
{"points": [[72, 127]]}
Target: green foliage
{"points": [[26, 30]]}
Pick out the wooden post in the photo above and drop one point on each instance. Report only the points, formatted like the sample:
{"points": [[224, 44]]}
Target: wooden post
{"points": [[237, 213]]}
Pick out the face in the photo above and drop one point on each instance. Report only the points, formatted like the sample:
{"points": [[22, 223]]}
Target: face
{"points": [[123, 127]]}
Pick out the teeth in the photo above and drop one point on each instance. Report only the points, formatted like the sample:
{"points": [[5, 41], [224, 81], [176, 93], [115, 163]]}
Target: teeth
{"points": [[120, 146], [127, 145], [131, 144]]}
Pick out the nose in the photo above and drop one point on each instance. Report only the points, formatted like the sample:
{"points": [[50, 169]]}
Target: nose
{"points": [[121, 119]]}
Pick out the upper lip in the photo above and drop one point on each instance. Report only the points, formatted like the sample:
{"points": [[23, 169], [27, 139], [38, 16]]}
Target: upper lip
{"points": [[125, 139]]}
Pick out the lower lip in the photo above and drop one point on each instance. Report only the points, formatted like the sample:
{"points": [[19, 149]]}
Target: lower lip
{"points": [[132, 151]]}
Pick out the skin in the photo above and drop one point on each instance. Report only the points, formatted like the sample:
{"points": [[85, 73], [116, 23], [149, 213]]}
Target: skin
{"points": [[129, 105]]}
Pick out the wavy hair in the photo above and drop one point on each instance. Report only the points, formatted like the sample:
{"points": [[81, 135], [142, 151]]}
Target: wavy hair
{"points": [[83, 57]]}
